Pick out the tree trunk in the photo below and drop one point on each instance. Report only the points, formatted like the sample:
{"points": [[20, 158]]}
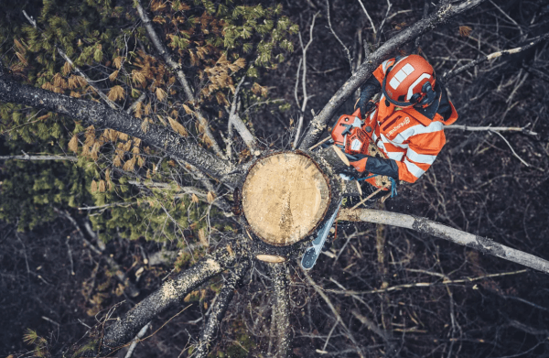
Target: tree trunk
{"points": [[287, 196]]}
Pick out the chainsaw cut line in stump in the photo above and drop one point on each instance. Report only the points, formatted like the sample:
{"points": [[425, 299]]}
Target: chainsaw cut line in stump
{"points": [[284, 197]]}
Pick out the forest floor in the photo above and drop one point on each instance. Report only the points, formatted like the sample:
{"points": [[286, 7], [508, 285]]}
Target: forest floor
{"points": [[51, 282]]}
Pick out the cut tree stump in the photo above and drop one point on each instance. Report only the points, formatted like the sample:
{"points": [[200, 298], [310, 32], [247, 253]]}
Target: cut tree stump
{"points": [[284, 197]]}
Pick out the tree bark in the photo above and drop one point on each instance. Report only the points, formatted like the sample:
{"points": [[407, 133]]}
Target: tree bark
{"points": [[218, 310], [101, 116], [171, 293], [281, 312], [482, 244], [318, 124]]}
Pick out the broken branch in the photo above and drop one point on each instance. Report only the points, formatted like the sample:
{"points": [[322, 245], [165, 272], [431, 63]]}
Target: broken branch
{"points": [[423, 225]]}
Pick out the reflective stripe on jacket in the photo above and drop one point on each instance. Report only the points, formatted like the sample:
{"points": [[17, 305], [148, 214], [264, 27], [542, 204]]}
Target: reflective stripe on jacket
{"points": [[409, 136]]}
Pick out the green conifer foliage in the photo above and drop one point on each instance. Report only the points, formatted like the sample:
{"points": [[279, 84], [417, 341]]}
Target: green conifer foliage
{"points": [[133, 189]]}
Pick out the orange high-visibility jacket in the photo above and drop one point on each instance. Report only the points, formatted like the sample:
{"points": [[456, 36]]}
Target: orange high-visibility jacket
{"points": [[411, 138]]}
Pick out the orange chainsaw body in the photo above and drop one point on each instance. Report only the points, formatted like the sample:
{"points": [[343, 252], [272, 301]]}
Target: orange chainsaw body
{"points": [[354, 135], [350, 133]]}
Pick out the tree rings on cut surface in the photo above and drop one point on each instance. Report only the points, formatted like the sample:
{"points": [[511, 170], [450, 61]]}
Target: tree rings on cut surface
{"points": [[284, 197]]}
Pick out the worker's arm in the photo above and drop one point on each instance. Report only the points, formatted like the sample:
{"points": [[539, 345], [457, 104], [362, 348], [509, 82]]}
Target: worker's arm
{"points": [[369, 89], [373, 85], [422, 151], [379, 166]]}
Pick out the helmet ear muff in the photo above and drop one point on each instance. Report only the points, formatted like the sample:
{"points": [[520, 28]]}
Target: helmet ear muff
{"points": [[429, 94]]}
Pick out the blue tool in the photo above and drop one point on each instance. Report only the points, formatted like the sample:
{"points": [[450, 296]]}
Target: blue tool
{"points": [[310, 256]]}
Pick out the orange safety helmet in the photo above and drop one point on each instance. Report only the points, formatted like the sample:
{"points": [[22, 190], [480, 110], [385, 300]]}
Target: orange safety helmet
{"points": [[411, 81]]}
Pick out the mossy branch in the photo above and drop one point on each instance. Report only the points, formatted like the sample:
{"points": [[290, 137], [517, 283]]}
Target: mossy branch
{"points": [[101, 116]]}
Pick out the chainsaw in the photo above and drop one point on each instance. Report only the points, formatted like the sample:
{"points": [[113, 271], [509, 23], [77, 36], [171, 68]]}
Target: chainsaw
{"points": [[353, 135]]}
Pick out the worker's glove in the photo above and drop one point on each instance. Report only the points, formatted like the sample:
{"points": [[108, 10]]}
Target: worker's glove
{"points": [[367, 107], [360, 165]]}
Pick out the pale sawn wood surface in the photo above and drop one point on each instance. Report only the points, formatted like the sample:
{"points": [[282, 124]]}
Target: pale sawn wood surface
{"points": [[284, 197]]}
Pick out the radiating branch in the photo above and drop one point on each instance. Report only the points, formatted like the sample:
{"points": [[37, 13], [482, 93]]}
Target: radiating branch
{"points": [[280, 321], [171, 293], [102, 116], [240, 126], [218, 310], [319, 122], [178, 69], [423, 225]]}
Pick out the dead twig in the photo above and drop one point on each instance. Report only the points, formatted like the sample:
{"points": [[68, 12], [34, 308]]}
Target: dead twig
{"points": [[369, 18], [347, 53], [326, 299], [38, 157], [512, 150], [492, 129], [495, 55], [445, 281], [137, 339], [303, 80]]}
